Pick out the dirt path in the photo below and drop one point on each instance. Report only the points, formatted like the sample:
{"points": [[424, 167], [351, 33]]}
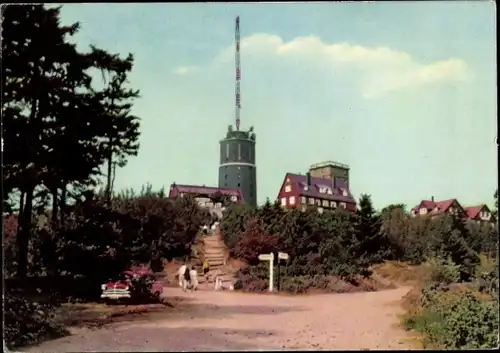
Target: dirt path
{"points": [[238, 321]]}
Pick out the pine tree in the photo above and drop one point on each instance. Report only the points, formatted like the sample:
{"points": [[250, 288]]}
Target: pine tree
{"points": [[53, 130], [374, 246]]}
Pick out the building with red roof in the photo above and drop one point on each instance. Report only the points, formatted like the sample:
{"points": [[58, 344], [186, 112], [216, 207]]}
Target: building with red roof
{"points": [[325, 186], [215, 199], [479, 213]]}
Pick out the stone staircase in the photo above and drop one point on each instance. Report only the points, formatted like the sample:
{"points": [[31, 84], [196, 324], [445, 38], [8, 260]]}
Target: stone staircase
{"points": [[216, 252]]}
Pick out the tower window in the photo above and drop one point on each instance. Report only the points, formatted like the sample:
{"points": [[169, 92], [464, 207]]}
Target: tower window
{"points": [[225, 176], [227, 151], [238, 184], [239, 151]]}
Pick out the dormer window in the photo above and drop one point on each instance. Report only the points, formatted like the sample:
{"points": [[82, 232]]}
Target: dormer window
{"points": [[344, 192], [324, 189], [485, 215]]}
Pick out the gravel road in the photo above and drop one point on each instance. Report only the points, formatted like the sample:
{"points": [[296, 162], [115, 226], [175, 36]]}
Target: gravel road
{"points": [[239, 321]]}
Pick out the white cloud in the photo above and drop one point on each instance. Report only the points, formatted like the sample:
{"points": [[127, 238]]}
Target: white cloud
{"points": [[183, 70], [380, 69]]}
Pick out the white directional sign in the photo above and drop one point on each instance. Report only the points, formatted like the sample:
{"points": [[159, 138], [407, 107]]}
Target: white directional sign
{"points": [[266, 257], [283, 256]]}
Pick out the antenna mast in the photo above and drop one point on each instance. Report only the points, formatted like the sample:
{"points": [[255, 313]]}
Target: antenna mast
{"points": [[238, 73]]}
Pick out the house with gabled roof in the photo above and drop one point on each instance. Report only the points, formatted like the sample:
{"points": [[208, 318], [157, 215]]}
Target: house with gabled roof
{"points": [[300, 191], [215, 199], [436, 208], [479, 213]]}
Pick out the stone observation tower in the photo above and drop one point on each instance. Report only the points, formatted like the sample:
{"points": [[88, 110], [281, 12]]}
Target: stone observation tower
{"points": [[237, 169]]}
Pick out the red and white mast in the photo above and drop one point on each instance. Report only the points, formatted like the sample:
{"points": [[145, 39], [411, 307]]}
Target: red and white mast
{"points": [[238, 73]]}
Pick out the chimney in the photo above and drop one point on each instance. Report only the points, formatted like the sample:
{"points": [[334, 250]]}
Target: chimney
{"points": [[432, 198], [308, 179]]}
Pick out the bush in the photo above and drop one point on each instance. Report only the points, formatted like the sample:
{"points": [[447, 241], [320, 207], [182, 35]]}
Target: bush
{"points": [[486, 276], [28, 322], [443, 271], [254, 241], [456, 321]]}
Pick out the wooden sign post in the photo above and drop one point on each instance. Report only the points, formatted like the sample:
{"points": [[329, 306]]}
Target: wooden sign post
{"points": [[269, 257]]}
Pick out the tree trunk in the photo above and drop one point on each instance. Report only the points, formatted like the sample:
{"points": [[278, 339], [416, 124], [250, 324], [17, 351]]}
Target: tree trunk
{"points": [[21, 212], [110, 172], [55, 206], [23, 237], [62, 204]]}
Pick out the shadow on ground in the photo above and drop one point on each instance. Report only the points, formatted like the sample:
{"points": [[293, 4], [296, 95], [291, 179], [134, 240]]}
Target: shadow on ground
{"points": [[133, 339]]}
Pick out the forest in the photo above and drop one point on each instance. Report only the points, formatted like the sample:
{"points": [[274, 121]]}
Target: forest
{"points": [[68, 128]]}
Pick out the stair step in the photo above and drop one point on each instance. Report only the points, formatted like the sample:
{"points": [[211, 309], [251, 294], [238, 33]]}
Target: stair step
{"points": [[213, 250], [215, 257], [214, 244], [215, 263]]}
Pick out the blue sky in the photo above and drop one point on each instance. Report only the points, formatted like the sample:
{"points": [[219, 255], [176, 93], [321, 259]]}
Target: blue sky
{"points": [[404, 93]]}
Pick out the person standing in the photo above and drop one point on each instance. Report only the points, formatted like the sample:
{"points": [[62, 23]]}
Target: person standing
{"points": [[205, 267]]}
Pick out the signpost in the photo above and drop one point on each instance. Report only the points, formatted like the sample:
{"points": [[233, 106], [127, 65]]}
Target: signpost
{"points": [[281, 256], [269, 257]]}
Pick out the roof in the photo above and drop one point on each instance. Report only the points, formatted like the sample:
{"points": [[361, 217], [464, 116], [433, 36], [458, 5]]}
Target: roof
{"points": [[299, 182], [442, 206], [473, 211], [206, 190]]}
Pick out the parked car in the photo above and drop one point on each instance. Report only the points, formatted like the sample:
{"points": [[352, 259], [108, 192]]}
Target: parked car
{"points": [[132, 284]]}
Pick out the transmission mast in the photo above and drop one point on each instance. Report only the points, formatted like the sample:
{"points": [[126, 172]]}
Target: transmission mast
{"points": [[238, 73]]}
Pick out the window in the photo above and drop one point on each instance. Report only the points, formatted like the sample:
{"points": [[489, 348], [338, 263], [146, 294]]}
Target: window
{"points": [[343, 205], [344, 192], [227, 151], [292, 200], [303, 199], [320, 209], [239, 151], [225, 176], [318, 202], [238, 184], [329, 191], [288, 188], [333, 204], [325, 203], [181, 194], [311, 201], [283, 201], [423, 211]]}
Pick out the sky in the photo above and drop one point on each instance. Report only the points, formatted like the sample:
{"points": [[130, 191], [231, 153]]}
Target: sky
{"points": [[404, 93]]}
